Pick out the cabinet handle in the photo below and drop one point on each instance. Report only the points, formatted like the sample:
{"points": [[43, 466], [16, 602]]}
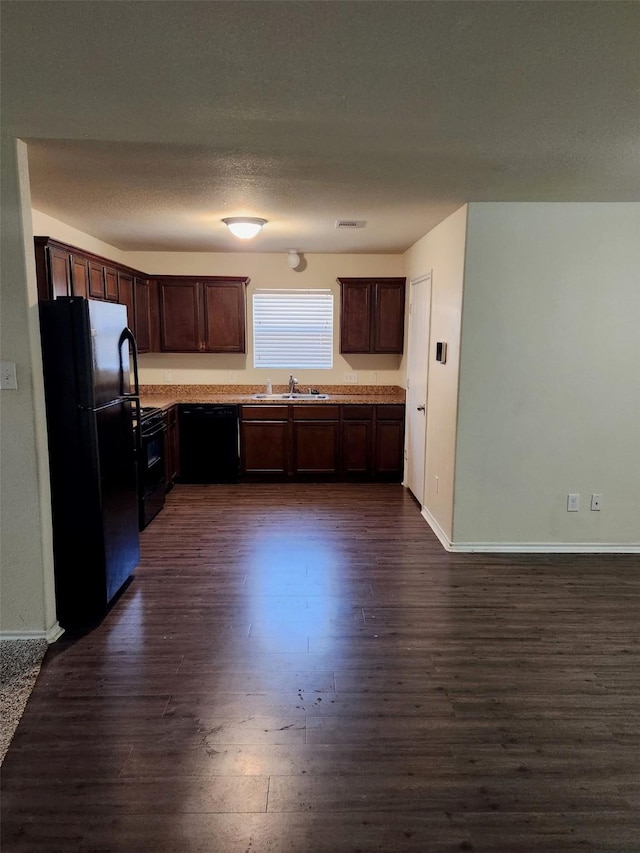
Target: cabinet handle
{"points": [[421, 408]]}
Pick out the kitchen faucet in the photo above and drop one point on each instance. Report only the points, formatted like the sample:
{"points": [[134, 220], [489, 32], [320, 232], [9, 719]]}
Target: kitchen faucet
{"points": [[292, 384]]}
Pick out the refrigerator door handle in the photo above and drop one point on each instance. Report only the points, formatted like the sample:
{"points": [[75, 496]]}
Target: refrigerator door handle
{"points": [[127, 337]]}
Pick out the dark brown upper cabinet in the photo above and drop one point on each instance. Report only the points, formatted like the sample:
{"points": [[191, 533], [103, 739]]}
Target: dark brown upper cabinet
{"points": [[142, 302], [64, 270], [126, 297], [53, 269], [166, 313], [372, 315], [111, 284], [224, 316], [80, 276], [96, 280], [202, 315], [179, 316]]}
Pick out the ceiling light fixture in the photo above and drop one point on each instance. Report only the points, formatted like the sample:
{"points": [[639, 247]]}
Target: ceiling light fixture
{"points": [[244, 227], [293, 258]]}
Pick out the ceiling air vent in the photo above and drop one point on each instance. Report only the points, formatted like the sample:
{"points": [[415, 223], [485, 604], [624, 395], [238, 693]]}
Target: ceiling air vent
{"points": [[350, 223]]}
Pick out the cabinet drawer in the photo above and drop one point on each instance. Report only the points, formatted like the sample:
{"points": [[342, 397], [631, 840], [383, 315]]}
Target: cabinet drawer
{"points": [[357, 413], [316, 413], [264, 413], [390, 412]]}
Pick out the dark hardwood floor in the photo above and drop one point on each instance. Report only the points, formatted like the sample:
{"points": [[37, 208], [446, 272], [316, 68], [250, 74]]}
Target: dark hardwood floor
{"points": [[304, 668]]}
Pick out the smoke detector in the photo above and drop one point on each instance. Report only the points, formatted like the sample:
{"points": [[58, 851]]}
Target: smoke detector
{"points": [[350, 224]]}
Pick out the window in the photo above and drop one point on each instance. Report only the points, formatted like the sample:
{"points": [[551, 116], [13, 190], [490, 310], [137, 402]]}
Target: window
{"points": [[293, 328]]}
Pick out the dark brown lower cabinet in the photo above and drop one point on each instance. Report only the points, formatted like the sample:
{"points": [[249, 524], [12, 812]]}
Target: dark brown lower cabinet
{"points": [[172, 446], [388, 455], [315, 443], [357, 442], [264, 442], [322, 442]]}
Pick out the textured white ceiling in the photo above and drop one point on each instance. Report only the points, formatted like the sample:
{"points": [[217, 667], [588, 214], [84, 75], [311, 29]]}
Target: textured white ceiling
{"points": [[147, 122]]}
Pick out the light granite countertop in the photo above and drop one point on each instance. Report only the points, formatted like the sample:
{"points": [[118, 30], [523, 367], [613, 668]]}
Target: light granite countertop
{"points": [[165, 396]]}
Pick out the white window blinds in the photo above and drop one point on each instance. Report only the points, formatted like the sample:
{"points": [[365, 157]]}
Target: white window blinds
{"points": [[293, 328]]}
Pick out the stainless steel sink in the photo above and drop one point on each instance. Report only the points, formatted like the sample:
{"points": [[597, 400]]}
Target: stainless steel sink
{"points": [[290, 396]]}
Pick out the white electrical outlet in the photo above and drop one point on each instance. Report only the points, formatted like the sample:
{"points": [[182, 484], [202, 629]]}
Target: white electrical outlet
{"points": [[351, 377], [374, 378], [596, 502], [166, 377], [8, 379], [573, 503], [231, 375]]}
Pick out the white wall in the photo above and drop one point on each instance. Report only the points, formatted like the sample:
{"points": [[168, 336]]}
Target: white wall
{"points": [[26, 559], [442, 251], [550, 375]]}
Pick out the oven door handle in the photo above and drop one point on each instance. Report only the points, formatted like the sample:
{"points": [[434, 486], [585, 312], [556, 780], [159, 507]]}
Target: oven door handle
{"points": [[153, 432]]}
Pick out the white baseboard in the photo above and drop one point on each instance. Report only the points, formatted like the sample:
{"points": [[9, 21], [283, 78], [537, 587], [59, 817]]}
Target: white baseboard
{"points": [[54, 633], [433, 524], [528, 547]]}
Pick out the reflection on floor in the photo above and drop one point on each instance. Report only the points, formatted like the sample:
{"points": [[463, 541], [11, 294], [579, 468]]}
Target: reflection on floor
{"points": [[303, 668]]}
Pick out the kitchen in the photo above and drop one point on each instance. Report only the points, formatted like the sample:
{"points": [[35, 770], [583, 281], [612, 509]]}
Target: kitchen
{"points": [[354, 137], [171, 725], [350, 432]]}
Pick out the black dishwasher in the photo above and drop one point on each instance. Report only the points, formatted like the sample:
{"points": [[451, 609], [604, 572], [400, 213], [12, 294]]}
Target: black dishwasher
{"points": [[208, 443]]}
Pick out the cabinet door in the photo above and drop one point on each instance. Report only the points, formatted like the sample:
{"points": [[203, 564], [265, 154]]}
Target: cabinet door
{"points": [[224, 316], [357, 436], [142, 314], [264, 447], [355, 316], [96, 280], [125, 296], [388, 317], [179, 316], [111, 284], [59, 273], [315, 447], [389, 443], [80, 276]]}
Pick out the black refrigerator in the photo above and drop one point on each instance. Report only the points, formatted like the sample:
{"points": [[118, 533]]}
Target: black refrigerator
{"points": [[86, 350]]}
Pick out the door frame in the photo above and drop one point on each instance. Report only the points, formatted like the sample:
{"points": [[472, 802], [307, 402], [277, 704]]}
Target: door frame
{"points": [[425, 279]]}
